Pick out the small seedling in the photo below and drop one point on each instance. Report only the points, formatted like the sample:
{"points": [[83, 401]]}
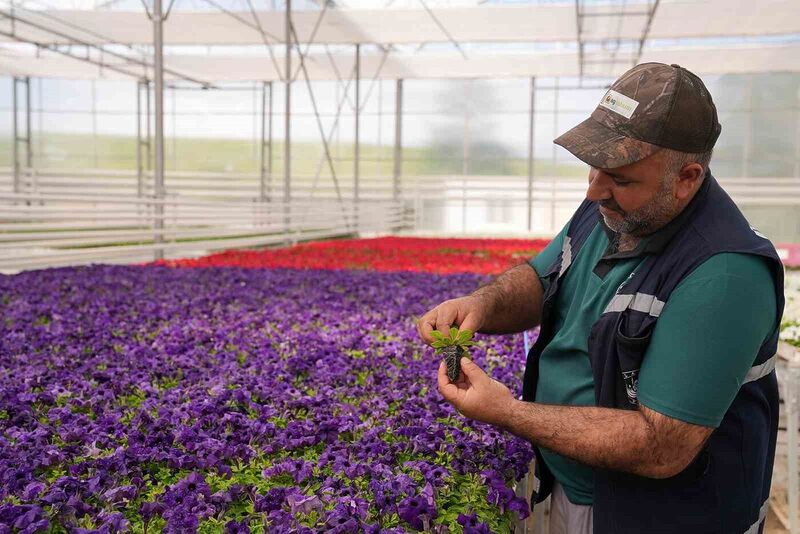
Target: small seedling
{"points": [[453, 347]]}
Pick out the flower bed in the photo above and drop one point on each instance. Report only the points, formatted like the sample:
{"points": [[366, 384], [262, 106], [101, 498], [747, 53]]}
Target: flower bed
{"points": [[485, 256], [150, 399], [790, 332]]}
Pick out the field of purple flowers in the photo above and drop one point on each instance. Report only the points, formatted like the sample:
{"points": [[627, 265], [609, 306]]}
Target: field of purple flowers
{"points": [[230, 400]]}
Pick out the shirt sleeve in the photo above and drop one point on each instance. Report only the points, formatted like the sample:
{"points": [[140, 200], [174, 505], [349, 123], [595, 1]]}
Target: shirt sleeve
{"points": [[548, 255], [707, 338]]}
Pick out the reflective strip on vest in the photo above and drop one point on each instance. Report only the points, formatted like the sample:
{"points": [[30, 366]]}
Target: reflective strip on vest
{"points": [[651, 305], [566, 255], [762, 514], [760, 370], [640, 302]]}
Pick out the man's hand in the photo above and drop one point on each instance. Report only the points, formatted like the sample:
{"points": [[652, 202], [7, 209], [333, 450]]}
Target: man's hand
{"points": [[468, 313], [476, 395], [511, 303]]}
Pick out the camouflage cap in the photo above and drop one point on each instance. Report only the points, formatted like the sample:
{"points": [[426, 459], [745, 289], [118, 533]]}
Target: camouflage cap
{"points": [[651, 106]]}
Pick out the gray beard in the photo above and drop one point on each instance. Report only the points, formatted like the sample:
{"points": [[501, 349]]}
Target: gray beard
{"points": [[649, 218]]}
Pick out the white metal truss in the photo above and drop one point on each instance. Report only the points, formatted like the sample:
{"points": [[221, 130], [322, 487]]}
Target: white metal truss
{"points": [[480, 24]]}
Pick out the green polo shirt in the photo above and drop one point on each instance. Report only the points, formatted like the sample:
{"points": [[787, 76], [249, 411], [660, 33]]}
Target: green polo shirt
{"points": [[704, 342]]}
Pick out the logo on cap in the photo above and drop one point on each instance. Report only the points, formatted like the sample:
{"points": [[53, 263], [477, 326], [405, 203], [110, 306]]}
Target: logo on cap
{"points": [[619, 103]]}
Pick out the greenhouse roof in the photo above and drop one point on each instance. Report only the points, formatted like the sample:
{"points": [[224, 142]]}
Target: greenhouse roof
{"points": [[590, 39], [221, 68], [533, 23]]}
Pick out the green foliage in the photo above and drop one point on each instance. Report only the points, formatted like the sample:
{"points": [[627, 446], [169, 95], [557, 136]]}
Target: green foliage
{"points": [[461, 339], [467, 494], [356, 354], [790, 332], [168, 382]]}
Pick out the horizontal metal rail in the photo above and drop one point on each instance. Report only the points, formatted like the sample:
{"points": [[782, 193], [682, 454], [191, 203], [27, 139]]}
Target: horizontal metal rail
{"points": [[43, 229], [96, 206]]}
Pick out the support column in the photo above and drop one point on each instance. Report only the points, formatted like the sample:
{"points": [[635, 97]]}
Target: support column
{"points": [[269, 145], [15, 135], [16, 138], [796, 173], [531, 141], [262, 186], [287, 150], [159, 105], [94, 124], [357, 150], [465, 142], [149, 126], [139, 162], [28, 128], [747, 142], [553, 226], [398, 139]]}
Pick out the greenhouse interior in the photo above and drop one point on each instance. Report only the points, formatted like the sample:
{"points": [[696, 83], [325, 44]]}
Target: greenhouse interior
{"points": [[225, 225]]}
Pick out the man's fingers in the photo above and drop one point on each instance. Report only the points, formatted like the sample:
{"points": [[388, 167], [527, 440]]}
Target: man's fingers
{"points": [[425, 326], [470, 323], [445, 318], [448, 390]]}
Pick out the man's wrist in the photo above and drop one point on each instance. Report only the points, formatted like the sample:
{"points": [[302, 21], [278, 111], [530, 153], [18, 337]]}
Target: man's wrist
{"points": [[509, 416], [485, 301]]}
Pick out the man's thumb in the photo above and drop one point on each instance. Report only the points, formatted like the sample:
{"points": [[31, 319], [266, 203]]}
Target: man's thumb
{"points": [[472, 371]]}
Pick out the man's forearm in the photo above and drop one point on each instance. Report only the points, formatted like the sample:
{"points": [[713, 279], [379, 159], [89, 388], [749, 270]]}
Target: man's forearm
{"points": [[622, 440], [513, 301]]}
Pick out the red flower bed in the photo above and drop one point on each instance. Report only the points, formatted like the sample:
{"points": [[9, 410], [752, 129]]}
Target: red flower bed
{"points": [[485, 256]]}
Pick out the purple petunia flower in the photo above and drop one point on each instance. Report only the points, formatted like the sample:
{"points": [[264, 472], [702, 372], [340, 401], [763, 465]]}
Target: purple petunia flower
{"points": [[272, 501], [118, 376], [472, 525], [234, 527], [419, 511]]}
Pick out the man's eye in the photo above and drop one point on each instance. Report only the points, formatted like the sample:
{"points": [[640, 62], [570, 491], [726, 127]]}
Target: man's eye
{"points": [[620, 182]]}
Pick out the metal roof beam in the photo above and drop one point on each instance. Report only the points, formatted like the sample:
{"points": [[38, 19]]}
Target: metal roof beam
{"points": [[17, 19]]}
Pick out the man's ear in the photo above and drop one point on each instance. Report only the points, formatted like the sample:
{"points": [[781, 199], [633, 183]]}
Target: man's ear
{"points": [[689, 179]]}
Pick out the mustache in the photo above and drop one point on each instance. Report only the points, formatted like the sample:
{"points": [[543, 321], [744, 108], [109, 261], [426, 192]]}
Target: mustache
{"points": [[611, 205]]}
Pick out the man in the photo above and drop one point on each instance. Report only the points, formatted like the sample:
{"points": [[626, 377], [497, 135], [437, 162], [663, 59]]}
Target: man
{"points": [[650, 393]]}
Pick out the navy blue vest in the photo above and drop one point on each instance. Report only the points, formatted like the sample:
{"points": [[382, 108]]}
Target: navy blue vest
{"points": [[726, 488]]}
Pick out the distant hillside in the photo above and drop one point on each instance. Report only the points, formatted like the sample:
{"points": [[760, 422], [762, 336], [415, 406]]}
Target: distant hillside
{"points": [[84, 151]]}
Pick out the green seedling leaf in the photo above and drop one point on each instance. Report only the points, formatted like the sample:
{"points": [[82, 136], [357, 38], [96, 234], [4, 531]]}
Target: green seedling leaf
{"points": [[453, 332], [463, 337], [437, 335]]}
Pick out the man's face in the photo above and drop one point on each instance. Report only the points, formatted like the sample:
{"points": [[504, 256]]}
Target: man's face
{"points": [[636, 199]]}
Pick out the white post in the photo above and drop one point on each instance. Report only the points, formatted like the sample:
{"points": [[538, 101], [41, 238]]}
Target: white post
{"points": [[465, 158], [398, 139], [139, 166], [15, 135], [158, 51], [553, 226], [28, 129], [262, 189], [287, 151], [357, 148], [531, 131]]}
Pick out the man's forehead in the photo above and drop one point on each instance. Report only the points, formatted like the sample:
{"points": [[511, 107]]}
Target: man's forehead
{"points": [[652, 165]]}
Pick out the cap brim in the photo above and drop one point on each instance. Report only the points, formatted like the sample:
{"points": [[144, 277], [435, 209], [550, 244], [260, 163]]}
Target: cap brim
{"points": [[600, 147]]}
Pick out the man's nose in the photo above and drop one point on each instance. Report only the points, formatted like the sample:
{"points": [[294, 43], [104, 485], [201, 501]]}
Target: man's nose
{"points": [[599, 186]]}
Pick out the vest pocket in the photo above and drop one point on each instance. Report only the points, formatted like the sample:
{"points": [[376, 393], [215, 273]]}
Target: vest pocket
{"points": [[630, 352]]}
